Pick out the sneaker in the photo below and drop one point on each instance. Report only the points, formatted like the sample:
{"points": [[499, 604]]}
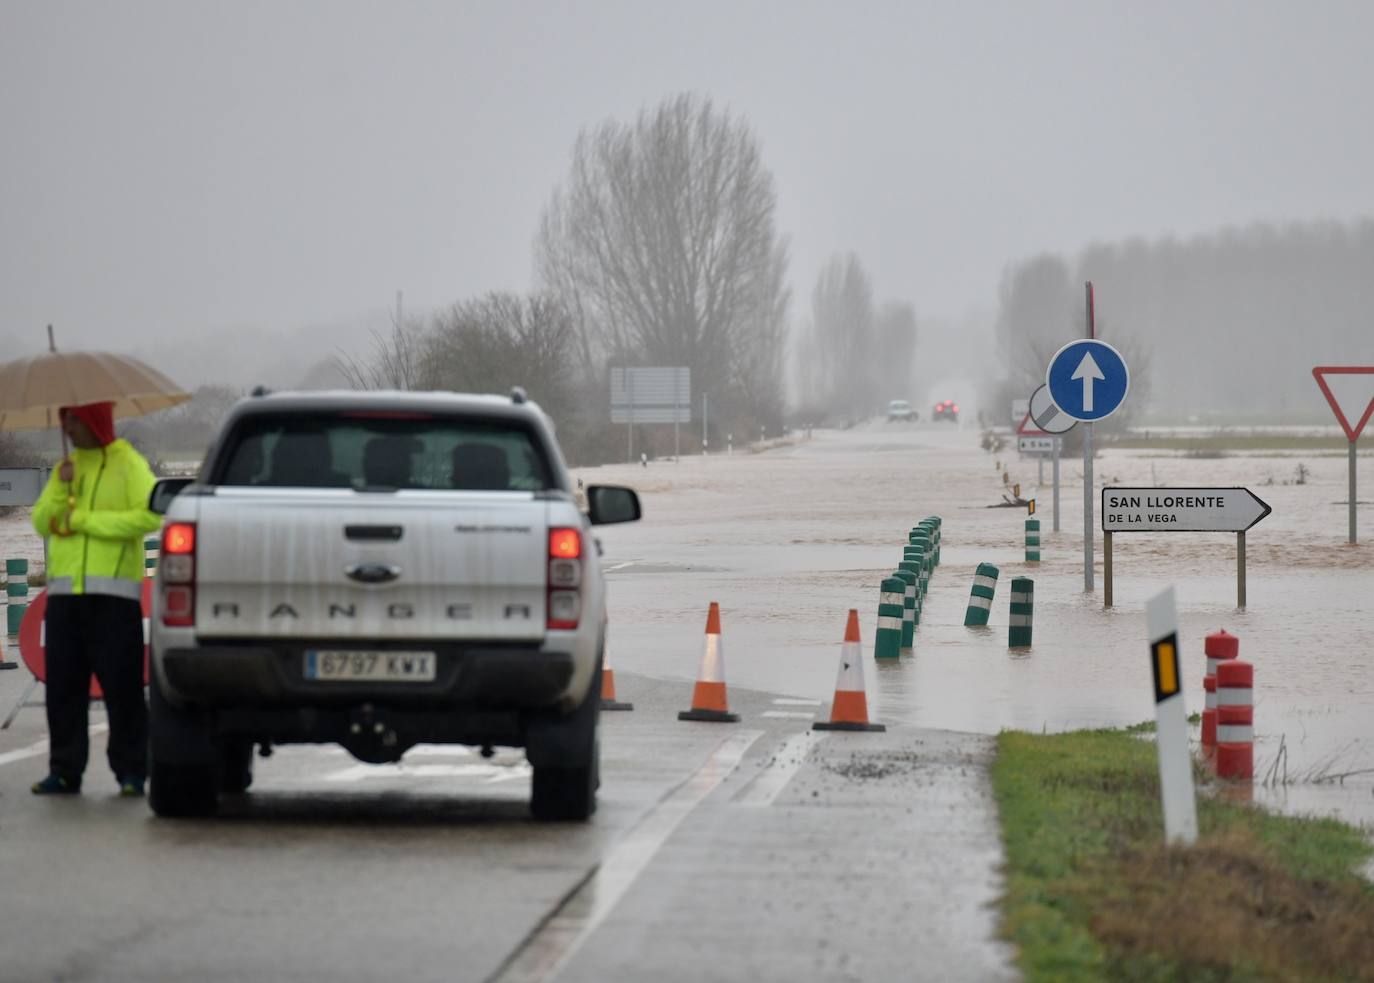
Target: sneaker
{"points": [[131, 788], [55, 785]]}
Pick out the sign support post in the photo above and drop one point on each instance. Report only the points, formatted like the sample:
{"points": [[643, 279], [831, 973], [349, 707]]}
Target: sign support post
{"points": [[1087, 507], [1088, 462], [705, 405], [1056, 486], [1351, 538], [1106, 569], [1240, 569]]}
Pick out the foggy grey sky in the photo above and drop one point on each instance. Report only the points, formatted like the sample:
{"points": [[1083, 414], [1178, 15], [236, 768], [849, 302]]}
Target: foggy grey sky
{"points": [[183, 168]]}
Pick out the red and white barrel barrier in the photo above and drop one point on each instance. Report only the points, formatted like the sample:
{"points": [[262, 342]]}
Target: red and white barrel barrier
{"points": [[1235, 720], [1219, 647]]}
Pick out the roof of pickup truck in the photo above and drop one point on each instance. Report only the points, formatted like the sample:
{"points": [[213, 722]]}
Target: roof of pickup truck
{"points": [[429, 401]]}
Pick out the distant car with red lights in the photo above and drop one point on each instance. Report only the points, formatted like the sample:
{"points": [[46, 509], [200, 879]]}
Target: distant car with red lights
{"points": [[947, 410], [379, 570]]}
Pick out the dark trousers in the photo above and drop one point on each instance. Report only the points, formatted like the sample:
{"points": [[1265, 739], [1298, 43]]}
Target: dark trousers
{"points": [[101, 635]]}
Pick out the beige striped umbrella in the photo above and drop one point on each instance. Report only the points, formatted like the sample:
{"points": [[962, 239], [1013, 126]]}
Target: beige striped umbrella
{"points": [[33, 389]]}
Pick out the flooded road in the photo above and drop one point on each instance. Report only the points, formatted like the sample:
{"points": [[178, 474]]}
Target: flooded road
{"points": [[788, 540]]}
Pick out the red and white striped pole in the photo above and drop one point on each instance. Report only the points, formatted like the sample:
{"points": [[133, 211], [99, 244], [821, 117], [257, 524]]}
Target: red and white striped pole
{"points": [[1235, 720], [1219, 647]]}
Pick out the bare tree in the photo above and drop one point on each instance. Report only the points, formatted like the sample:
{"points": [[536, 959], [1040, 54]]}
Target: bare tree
{"points": [[662, 248], [500, 340], [838, 351], [395, 361]]}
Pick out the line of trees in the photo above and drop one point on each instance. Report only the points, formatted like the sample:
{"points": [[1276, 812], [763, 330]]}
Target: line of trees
{"points": [[1230, 322], [661, 248]]}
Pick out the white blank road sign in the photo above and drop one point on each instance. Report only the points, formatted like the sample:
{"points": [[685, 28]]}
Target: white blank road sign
{"points": [[1180, 509]]}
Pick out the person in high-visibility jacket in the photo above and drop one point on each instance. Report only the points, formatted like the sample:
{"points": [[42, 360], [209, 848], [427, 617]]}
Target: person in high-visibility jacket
{"points": [[94, 514]]}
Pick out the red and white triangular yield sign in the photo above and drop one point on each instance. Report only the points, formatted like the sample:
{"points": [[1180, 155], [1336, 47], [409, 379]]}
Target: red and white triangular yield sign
{"points": [[1027, 428], [1350, 391]]}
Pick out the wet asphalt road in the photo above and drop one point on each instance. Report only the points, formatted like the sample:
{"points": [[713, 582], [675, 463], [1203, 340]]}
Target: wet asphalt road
{"points": [[751, 851]]}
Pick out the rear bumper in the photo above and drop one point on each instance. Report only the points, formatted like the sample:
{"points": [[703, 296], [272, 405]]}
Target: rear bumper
{"points": [[248, 676]]}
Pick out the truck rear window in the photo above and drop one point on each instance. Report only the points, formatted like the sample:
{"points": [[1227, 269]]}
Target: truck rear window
{"points": [[383, 452]]}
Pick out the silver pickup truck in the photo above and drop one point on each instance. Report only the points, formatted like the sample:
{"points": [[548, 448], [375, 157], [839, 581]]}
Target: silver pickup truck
{"points": [[379, 570]]}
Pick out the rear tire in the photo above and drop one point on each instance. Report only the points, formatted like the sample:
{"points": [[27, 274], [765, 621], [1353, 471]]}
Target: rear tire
{"points": [[564, 794], [236, 766], [567, 762], [184, 770], [182, 791]]}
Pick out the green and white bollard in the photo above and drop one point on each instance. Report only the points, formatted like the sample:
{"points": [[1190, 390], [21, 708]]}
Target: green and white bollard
{"points": [[1032, 540], [908, 577], [1022, 613], [150, 555], [980, 598], [937, 523], [920, 538], [16, 594], [912, 561], [887, 642], [933, 531]]}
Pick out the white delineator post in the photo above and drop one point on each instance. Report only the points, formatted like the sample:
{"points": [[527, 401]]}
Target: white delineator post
{"points": [[1171, 721]]}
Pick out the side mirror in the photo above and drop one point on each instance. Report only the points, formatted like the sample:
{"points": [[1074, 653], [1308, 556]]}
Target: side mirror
{"points": [[164, 491], [611, 503]]}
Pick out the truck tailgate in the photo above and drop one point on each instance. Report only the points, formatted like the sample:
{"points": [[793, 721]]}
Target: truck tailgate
{"points": [[338, 564]]}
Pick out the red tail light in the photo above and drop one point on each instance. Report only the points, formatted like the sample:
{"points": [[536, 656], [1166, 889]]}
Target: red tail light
{"points": [[179, 538], [565, 544], [177, 575], [564, 600]]}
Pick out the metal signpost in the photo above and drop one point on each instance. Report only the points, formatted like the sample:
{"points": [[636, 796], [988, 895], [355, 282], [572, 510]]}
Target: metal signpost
{"points": [[651, 395], [1179, 510], [1176, 793], [1051, 419], [1088, 380], [1361, 393]]}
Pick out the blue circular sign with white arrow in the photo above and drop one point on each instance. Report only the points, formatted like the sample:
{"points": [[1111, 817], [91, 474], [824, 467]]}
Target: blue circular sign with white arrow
{"points": [[1088, 380]]}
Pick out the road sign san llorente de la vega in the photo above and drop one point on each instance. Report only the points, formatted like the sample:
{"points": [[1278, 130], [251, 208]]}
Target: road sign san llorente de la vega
{"points": [[1179, 510], [1350, 391]]}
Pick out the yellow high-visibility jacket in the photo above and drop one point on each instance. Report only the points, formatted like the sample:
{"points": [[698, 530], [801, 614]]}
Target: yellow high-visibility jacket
{"points": [[110, 518]]}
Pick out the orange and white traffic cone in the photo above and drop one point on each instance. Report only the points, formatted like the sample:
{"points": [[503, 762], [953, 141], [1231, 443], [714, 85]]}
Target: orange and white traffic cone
{"points": [[708, 699], [608, 700], [850, 709]]}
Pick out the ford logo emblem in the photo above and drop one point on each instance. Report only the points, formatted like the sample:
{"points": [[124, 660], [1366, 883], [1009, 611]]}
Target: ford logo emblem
{"points": [[372, 573]]}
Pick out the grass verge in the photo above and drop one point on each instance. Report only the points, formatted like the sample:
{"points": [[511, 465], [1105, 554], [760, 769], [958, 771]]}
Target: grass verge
{"points": [[1094, 894]]}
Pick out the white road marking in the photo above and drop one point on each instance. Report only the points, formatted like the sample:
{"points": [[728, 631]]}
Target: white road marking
{"points": [[546, 952], [789, 714], [787, 701], [764, 789], [38, 748], [620, 566]]}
